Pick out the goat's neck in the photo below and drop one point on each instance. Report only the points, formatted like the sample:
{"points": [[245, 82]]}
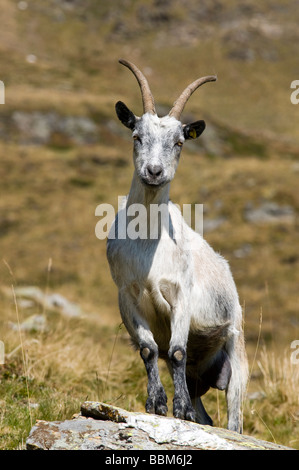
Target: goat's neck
{"points": [[141, 194]]}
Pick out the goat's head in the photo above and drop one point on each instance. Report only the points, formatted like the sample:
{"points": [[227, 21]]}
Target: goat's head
{"points": [[158, 141]]}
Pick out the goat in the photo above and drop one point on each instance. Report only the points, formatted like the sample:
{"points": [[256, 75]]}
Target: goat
{"points": [[177, 297]]}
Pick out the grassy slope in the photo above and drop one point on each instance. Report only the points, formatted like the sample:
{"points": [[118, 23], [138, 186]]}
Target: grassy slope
{"points": [[49, 195]]}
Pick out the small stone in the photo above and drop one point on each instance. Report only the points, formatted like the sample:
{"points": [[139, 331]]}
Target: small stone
{"points": [[269, 212], [243, 251], [212, 224], [31, 58], [37, 323], [22, 5]]}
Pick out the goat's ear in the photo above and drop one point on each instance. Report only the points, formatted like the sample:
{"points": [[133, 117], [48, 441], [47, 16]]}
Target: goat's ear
{"points": [[125, 115], [193, 130]]}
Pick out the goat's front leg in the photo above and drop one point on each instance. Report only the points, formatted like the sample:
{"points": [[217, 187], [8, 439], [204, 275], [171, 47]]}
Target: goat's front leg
{"points": [[143, 339], [157, 399], [182, 405]]}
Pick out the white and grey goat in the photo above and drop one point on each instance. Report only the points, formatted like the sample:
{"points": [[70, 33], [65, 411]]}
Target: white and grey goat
{"points": [[177, 297]]}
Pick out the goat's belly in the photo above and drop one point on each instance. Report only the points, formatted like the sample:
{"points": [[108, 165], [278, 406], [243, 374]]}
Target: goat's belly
{"points": [[204, 343]]}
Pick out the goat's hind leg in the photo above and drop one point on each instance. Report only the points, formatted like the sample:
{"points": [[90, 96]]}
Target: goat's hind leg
{"points": [[196, 389], [217, 375], [202, 416], [237, 385]]}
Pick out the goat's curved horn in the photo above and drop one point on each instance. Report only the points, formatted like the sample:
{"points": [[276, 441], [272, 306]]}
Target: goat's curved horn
{"points": [[147, 97], [179, 105]]}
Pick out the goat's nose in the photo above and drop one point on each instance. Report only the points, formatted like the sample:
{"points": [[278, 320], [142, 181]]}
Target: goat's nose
{"points": [[154, 170]]}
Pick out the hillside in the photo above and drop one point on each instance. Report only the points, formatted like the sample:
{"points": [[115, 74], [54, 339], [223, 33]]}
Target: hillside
{"points": [[63, 152]]}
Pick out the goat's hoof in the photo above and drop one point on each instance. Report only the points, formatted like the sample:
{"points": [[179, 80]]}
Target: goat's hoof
{"points": [[236, 427], [183, 410], [190, 414], [157, 405], [158, 408], [161, 410]]}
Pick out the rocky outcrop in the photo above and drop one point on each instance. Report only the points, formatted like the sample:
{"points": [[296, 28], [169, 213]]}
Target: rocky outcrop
{"points": [[104, 427], [48, 128]]}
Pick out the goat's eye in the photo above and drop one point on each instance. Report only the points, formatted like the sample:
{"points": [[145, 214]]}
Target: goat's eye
{"points": [[136, 137], [179, 143]]}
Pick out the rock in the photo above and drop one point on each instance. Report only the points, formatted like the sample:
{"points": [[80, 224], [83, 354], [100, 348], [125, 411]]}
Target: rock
{"points": [[64, 306], [52, 302], [22, 5], [104, 427], [269, 212], [212, 224], [213, 141], [37, 323], [44, 128], [243, 251], [256, 396]]}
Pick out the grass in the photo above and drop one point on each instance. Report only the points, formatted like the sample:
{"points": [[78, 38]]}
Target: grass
{"points": [[49, 194], [59, 380], [279, 395]]}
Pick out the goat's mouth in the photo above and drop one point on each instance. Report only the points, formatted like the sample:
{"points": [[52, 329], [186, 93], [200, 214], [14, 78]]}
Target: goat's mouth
{"points": [[153, 183]]}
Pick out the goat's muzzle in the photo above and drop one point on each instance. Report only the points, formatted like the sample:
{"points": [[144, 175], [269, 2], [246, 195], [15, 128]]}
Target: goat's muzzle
{"points": [[153, 176]]}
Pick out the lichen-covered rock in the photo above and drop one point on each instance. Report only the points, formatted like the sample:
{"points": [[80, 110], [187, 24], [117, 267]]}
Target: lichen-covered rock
{"points": [[105, 427]]}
